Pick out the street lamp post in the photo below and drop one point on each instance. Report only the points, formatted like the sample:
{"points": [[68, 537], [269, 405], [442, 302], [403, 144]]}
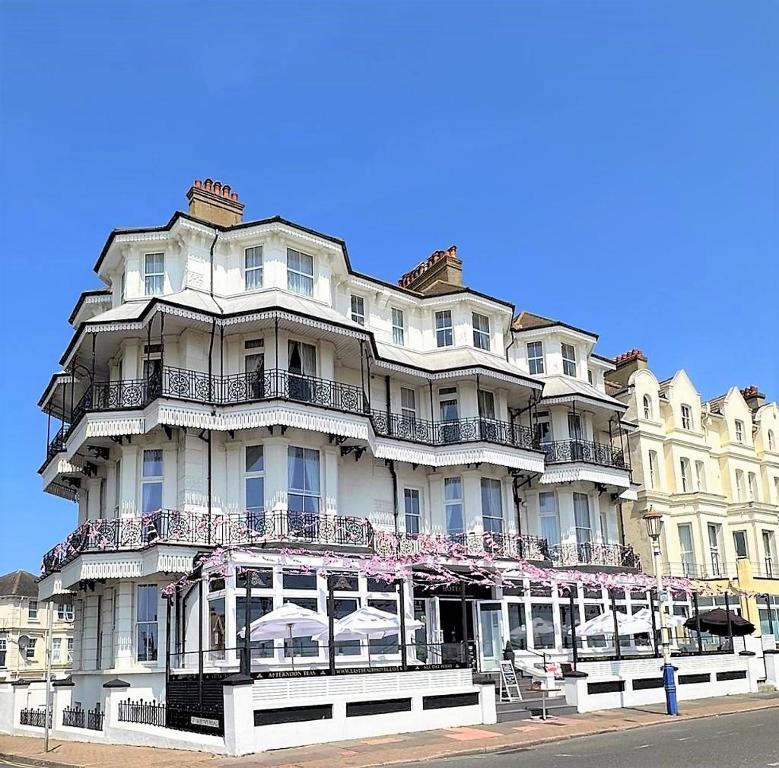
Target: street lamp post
{"points": [[654, 525]]}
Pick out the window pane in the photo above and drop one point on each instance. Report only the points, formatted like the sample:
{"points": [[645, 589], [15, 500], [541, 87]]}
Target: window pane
{"points": [[152, 497], [152, 463], [254, 458], [452, 488], [147, 602], [255, 493]]}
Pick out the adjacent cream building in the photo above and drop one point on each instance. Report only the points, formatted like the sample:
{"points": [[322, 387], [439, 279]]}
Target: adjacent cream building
{"points": [[21, 616], [712, 469]]}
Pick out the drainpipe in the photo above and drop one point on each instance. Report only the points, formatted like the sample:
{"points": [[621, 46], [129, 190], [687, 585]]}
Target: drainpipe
{"points": [[401, 582], [515, 493], [211, 259], [213, 413], [511, 343]]}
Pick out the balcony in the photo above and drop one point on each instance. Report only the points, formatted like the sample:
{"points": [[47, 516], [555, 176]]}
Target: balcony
{"points": [[586, 452], [168, 526], [387, 424], [614, 555], [500, 545]]}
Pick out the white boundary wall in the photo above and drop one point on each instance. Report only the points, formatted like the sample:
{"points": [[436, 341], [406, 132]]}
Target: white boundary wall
{"points": [[241, 701], [625, 674]]}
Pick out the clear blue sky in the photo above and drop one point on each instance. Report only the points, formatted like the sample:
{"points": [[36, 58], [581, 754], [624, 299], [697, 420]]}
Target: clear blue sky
{"points": [[613, 164]]}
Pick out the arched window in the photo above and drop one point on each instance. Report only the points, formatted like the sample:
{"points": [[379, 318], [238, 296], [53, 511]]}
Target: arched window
{"points": [[771, 442], [647, 407]]}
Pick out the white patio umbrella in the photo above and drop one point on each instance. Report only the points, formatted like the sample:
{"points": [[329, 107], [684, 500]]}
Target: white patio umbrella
{"points": [[286, 623], [372, 623], [603, 624], [672, 620]]}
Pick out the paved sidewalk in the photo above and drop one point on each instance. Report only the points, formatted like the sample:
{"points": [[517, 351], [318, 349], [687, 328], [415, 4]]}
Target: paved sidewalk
{"points": [[383, 750]]}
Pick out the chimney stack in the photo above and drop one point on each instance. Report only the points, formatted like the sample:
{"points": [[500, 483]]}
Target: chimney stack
{"points": [[754, 397], [627, 364], [441, 272], [215, 203]]}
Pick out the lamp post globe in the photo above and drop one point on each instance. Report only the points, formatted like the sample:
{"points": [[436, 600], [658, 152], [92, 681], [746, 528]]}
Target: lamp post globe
{"points": [[654, 527]]}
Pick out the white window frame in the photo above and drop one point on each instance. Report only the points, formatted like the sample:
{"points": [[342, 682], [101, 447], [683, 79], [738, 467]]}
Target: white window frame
{"points": [[648, 410], [489, 516], [687, 422], [444, 334], [740, 486], [410, 494], [535, 357], [56, 650], [688, 563], [151, 479], [398, 327], [739, 431], [741, 532], [29, 651], [32, 610], [684, 474], [305, 493], [652, 465], [454, 502], [253, 273], [154, 274], [357, 308], [408, 412], [569, 360], [3, 651], [753, 491], [65, 611], [544, 514], [147, 622], [70, 650], [481, 334], [771, 441], [296, 274], [258, 474], [580, 529]]}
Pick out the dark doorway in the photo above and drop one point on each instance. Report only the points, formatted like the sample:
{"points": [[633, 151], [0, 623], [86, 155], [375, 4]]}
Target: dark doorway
{"points": [[452, 620]]}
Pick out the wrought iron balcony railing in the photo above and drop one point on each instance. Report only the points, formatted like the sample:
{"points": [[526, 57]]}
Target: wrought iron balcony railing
{"points": [[167, 526], [501, 545], [387, 424], [566, 451], [616, 555]]}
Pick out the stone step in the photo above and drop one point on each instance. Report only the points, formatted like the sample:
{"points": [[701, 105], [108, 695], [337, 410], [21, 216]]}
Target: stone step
{"points": [[524, 710]]}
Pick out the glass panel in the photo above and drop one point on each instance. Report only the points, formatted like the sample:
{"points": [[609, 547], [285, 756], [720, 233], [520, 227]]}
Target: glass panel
{"points": [[152, 497], [254, 458], [302, 646], [258, 607], [152, 463], [517, 627], [543, 626]]}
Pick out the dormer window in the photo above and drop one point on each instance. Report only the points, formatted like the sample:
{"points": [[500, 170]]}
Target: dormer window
{"points": [[739, 431], [686, 417], [569, 359], [535, 357], [154, 273], [358, 309], [252, 262], [444, 334], [647, 407], [300, 272], [398, 327], [481, 331]]}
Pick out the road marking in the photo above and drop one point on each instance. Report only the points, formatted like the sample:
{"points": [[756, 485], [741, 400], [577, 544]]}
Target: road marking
{"points": [[644, 746], [685, 738]]}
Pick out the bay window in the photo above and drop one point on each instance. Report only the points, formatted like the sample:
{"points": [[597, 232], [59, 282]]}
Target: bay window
{"points": [[154, 274], [252, 267], [300, 272]]}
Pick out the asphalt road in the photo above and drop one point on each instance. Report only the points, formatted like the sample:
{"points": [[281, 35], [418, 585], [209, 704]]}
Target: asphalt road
{"points": [[748, 740]]}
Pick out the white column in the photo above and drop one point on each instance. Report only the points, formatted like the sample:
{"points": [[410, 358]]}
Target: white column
{"points": [[330, 458], [129, 480], [124, 658]]}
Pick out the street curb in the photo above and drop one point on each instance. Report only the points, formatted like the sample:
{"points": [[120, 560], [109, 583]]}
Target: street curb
{"points": [[524, 746], [35, 761]]}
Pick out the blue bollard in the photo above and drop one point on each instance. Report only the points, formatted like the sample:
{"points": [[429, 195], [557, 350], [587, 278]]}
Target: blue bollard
{"points": [[669, 683]]}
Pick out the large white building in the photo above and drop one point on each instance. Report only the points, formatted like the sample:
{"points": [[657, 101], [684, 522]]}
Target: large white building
{"points": [[239, 384]]}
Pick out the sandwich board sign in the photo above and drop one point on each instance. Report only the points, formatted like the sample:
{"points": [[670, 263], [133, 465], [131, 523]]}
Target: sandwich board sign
{"points": [[509, 686]]}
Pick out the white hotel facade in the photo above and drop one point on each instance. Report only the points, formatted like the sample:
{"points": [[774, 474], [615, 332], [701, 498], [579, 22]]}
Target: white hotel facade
{"points": [[239, 384]]}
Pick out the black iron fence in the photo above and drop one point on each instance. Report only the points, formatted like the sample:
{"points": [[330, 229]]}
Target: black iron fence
{"points": [[617, 555], [34, 717], [167, 526], [388, 424], [564, 451], [76, 717], [142, 712]]}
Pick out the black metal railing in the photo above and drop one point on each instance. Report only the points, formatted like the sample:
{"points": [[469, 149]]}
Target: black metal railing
{"points": [[617, 555], [76, 717], [167, 526], [565, 451], [34, 717], [693, 570], [57, 443], [143, 712], [501, 545], [475, 429]]}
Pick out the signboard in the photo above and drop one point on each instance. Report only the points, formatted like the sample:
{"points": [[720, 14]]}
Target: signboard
{"points": [[205, 721], [555, 669], [509, 685]]}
